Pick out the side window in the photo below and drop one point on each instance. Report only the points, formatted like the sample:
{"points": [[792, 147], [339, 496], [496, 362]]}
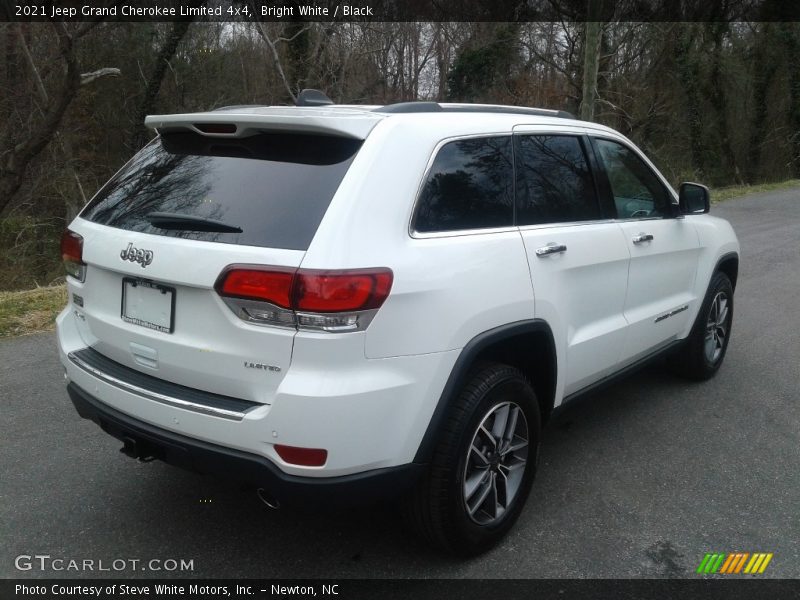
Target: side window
{"points": [[469, 186], [638, 192], [554, 183]]}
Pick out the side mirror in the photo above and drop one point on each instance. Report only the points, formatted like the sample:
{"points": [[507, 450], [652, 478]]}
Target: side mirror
{"points": [[693, 199]]}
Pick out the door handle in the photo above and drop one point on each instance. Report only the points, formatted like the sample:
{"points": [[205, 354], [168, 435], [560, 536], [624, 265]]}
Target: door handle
{"points": [[551, 248], [642, 237]]}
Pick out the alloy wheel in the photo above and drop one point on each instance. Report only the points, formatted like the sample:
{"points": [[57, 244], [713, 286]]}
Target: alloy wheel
{"points": [[496, 461], [716, 327]]}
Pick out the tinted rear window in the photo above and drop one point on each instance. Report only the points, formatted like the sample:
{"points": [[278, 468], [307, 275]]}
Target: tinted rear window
{"points": [[274, 187], [470, 186]]}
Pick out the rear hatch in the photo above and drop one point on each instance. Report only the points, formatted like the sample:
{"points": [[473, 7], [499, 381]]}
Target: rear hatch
{"points": [[158, 235]]}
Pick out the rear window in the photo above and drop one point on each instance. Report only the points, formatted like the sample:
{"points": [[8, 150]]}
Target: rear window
{"points": [[274, 187]]}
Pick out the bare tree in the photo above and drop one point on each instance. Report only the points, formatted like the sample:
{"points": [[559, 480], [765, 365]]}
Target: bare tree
{"points": [[591, 59], [19, 147], [262, 30], [153, 85]]}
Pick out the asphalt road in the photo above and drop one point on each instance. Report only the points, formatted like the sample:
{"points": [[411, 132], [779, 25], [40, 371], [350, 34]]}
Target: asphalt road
{"points": [[640, 481]]}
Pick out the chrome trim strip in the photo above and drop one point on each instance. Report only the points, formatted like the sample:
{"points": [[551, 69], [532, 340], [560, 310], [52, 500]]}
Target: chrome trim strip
{"points": [[461, 232], [150, 395], [537, 226]]}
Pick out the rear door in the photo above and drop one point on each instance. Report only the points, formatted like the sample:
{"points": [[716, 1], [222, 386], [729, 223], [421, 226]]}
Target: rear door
{"points": [[664, 249], [160, 233], [578, 257]]}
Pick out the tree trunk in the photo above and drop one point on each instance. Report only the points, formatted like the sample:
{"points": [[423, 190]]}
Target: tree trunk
{"points": [[591, 59], [298, 60], [719, 101], [688, 74], [18, 153], [139, 134], [763, 73], [790, 32], [442, 61]]}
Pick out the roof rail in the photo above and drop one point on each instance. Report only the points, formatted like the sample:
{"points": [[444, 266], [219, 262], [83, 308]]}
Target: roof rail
{"points": [[424, 107], [235, 106], [409, 107]]}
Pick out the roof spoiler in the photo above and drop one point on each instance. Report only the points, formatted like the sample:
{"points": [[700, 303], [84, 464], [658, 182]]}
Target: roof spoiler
{"points": [[235, 124]]}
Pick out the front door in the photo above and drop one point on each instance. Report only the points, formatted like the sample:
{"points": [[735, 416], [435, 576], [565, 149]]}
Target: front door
{"points": [[663, 250]]}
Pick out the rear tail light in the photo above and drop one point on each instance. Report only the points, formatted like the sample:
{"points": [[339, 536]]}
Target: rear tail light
{"points": [[274, 286], [344, 300], [72, 254], [339, 291], [306, 457]]}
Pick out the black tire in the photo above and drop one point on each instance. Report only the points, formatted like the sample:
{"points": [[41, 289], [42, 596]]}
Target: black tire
{"points": [[694, 358], [437, 509]]}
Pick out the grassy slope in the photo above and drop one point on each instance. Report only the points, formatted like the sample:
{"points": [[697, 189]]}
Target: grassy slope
{"points": [[31, 310], [734, 191]]}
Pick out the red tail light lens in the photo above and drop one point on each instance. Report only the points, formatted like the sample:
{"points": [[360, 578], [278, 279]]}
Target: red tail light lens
{"points": [[341, 291], [273, 286], [72, 254], [333, 301], [308, 290], [306, 457]]}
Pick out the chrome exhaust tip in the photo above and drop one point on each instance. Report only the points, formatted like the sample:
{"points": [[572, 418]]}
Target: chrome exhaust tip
{"points": [[268, 499]]}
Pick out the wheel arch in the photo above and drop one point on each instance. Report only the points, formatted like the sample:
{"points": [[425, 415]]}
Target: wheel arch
{"points": [[527, 345], [728, 264]]}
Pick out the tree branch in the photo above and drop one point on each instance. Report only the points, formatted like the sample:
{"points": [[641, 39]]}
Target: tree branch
{"points": [[36, 77], [105, 72], [262, 32]]}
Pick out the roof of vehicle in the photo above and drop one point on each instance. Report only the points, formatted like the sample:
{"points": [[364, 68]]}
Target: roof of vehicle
{"points": [[349, 120]]}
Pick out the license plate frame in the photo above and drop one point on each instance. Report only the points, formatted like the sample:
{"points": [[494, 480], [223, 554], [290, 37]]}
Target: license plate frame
{"points": [[143, 284]]}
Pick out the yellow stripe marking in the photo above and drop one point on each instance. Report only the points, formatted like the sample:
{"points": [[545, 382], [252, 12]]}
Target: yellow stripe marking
{"points": [[766, 562], [758, 563], [751, 563], [741, 561], [727, 563]]}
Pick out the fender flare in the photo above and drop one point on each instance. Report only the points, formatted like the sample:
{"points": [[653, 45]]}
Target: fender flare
{"points": [[724, 258], [461, 368]]}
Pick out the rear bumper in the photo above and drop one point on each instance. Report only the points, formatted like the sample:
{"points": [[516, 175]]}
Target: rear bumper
{"points": [[203, 457], [368, 414]]}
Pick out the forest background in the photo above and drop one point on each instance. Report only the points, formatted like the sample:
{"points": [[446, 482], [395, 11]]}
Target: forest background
{"points": [[715, 102]]}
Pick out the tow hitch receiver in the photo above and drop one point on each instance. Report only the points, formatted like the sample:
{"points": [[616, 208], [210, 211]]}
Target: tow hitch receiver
{"points": [[137, 449]]}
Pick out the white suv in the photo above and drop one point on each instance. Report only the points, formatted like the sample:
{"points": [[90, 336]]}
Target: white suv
{"points": [[348, 302]]}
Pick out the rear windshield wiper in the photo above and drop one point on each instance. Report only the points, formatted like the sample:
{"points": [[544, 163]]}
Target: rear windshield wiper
{"points": [[177, 221]]}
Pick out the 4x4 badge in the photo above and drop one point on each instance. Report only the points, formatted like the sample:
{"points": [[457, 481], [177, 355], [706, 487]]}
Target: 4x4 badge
{"points": [[143, 257]]}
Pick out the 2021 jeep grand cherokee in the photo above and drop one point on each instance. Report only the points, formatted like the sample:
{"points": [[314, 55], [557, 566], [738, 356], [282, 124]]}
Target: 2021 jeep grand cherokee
{"points": [[340, 301]]}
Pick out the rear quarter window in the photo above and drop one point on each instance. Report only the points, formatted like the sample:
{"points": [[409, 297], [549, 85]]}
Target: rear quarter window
{"points": [[274, 187], [470, 186]]}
